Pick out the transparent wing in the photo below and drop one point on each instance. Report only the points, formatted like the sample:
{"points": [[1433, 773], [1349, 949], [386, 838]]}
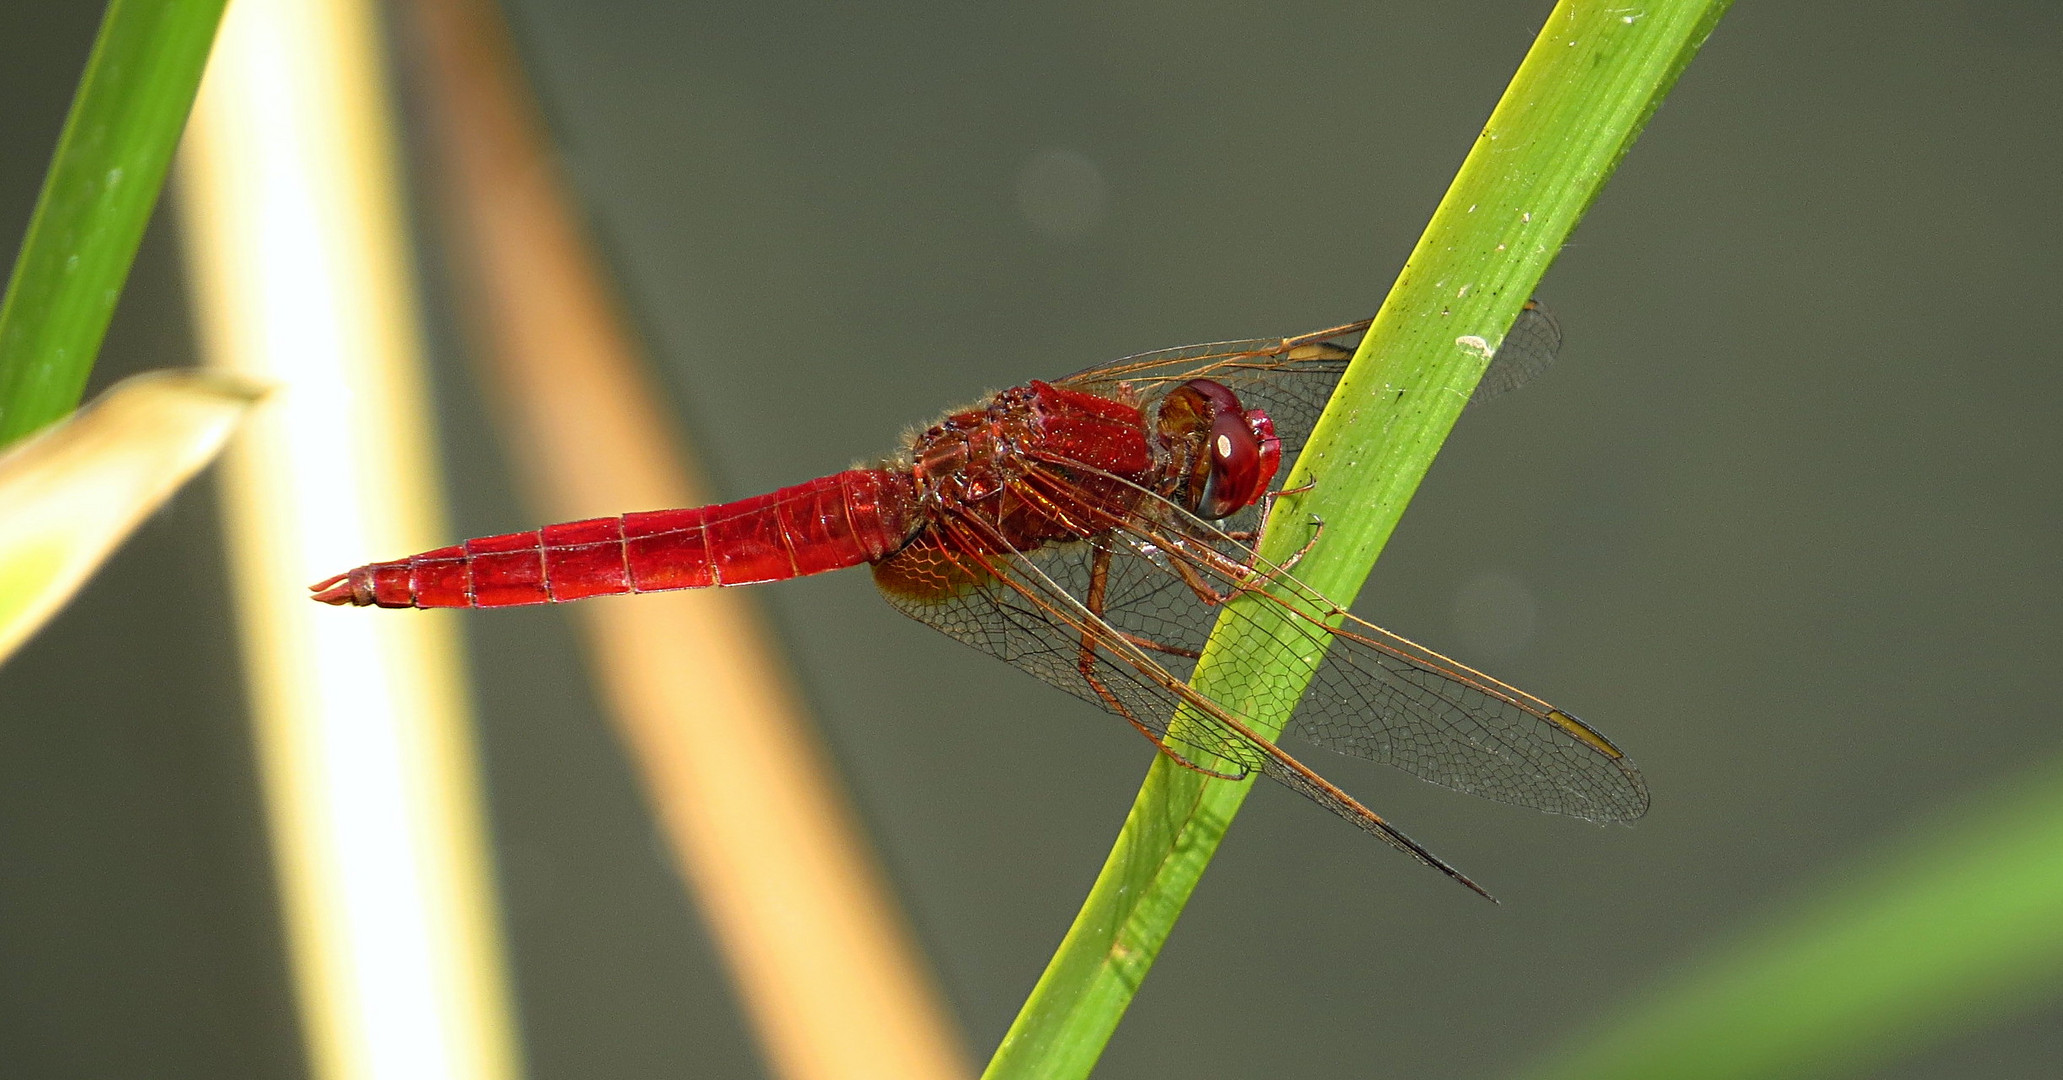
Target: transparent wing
{"points": [[1029, 609], [1291, 378], [1525, 354], [1153, 582], [1384, 698]]}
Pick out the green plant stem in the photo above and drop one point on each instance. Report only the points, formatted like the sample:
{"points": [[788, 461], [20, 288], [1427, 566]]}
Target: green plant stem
{"points": [[110, 164], [1591, 80], [1949, 930]]}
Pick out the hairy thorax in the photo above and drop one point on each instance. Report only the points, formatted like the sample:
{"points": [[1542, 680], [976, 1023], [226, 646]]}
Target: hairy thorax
{"points": [[1039, 463]]}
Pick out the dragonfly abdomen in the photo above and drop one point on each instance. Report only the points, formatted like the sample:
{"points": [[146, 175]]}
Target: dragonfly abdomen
{"points": [[829, 523]]}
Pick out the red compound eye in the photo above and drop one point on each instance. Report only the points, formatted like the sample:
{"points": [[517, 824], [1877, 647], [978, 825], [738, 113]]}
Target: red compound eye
{"points": [[1244, 452], [1271, 450]]}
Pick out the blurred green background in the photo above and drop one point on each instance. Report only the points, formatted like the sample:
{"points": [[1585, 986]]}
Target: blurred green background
{"points": [[1784, 524]]}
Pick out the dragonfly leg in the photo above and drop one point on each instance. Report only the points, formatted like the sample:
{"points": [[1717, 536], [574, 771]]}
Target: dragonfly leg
{"points": [[1202, 588], [1317, 528], [1268, 498], [1245, 581], [1086, 663], [1154, 737], [1266, 506], [1155, 646], [1240, 578]]}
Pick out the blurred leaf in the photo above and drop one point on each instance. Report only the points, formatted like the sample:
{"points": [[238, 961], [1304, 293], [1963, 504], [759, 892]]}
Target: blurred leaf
{"points": [[1951, 929], [1586, 88], [133, 100], [70, 494]]}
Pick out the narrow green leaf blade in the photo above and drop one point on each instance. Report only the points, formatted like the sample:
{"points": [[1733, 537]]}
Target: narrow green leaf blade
{"points": [[1949, 929], [110, 164], [70, 495], [1588, 85]]}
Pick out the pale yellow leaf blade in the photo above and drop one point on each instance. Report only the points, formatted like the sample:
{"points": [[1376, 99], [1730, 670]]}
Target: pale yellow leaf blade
{"points": [[72, 492]]}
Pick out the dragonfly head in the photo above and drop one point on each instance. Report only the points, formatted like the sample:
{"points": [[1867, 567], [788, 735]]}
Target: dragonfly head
{"points": [[1225, 455]]}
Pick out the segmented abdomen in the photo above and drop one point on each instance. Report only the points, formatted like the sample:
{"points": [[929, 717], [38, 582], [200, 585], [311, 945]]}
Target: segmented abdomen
{"points": [[828, 523]]}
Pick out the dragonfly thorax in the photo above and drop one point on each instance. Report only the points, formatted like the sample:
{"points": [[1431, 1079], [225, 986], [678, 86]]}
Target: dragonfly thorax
{"points": [[1024, 462]]}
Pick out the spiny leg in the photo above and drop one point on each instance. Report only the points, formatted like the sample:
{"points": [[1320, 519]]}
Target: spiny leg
{"points": [[1086, 663], [1151, 645], [1267, 503]]}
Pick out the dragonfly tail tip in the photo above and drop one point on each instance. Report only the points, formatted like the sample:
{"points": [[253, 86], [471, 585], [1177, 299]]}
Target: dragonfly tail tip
{"points": [[353, 589]]}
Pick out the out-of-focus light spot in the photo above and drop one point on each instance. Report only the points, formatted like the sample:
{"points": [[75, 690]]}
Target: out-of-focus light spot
{"points": [[1061, 194], [1495, 614], [300, 267]]}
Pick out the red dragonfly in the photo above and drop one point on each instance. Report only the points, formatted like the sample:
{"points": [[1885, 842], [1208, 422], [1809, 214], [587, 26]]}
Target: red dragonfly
{"points": [[1091, 530]]}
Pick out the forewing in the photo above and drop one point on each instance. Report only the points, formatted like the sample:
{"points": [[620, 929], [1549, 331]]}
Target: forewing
{"points": [[1027, 609], [1289, 378], [1380, 697], [1030, 609], [1525, 354], [1292, 378], [1376, 695]]}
